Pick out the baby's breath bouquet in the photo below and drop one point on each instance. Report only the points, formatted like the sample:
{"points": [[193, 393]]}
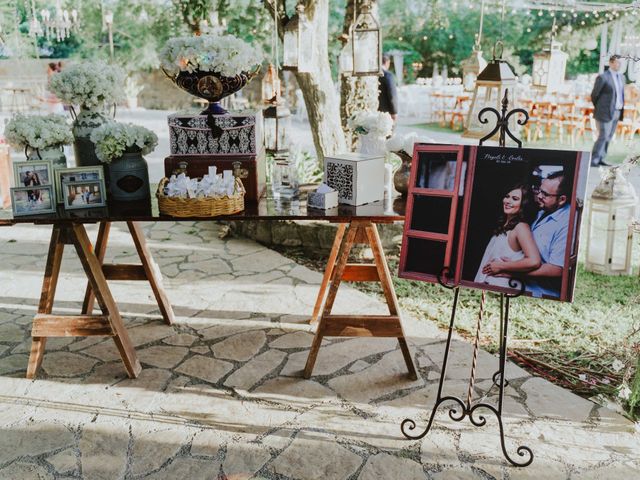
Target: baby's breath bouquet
{"points": [[113, 139], [37, 132], [88, 84], [221, 53]]}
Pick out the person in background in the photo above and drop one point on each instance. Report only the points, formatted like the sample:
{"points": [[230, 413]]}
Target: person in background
{"points": [[608, 99], [387, 92]]}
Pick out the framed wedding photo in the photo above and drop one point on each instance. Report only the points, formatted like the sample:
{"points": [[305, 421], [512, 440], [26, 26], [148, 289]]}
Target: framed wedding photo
{"points": [[497, 219], [84, 194], [77, 174], [35, 200], [33, 173]]}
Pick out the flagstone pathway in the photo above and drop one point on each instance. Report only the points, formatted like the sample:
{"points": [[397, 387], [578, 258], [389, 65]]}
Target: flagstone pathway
{"points": [[221, 395]]}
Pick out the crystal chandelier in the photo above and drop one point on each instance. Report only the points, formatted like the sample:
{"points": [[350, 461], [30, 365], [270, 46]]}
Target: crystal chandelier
{"points": [[56, 25]]}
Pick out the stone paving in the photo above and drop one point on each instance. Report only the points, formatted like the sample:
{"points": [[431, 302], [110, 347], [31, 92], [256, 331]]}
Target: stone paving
{"points": [[221, 394]]}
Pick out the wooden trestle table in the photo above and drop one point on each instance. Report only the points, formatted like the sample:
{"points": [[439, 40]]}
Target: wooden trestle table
{"points": [[356, 225]]}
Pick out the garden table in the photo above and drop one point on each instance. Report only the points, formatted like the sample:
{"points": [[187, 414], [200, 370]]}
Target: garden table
{"points": [[356, 225]]}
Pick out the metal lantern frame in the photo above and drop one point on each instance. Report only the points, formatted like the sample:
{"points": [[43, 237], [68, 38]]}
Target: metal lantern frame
{"points": [[298, 43], [489, 92], [610, 227], [471, 68], [549, 67], [345, 59], [364, 27], [277, 119], [271, 85]]}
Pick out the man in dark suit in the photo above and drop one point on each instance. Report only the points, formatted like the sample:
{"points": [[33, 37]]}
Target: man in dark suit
{"points": [[387, 93], [608, 99]]}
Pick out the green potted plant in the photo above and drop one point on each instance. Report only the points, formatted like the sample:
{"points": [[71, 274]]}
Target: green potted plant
{"points": [[41, 136], [121, 146], [92, 86]]}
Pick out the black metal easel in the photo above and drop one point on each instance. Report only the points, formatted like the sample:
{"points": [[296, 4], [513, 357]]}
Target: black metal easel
{"points": [[468, 408]]}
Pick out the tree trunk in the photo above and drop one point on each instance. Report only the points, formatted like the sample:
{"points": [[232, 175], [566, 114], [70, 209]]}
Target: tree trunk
{"points": [[357, 94], [317, 87]]}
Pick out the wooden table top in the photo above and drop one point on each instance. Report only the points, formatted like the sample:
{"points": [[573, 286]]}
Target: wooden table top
{"points": [[387, 211]]}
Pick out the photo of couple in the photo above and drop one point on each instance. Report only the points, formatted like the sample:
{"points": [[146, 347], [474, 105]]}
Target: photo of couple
{"points": [[84, 194], [32, 174], [530, 238], [522, 236], [511, 224]]}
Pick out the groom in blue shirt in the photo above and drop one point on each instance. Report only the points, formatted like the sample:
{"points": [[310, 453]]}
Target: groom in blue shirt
{"points": [[550, 234]]}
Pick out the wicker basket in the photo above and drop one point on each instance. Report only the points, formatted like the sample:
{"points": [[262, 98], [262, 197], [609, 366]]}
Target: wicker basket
{"points": [[200, 207]]}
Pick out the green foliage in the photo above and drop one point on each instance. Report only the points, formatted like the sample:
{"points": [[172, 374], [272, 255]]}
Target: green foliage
{"points": [[193, 12], [444, 33]]}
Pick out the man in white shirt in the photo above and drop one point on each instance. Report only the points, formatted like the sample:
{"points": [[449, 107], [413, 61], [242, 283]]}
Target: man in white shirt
{"points": [[608, 99]]}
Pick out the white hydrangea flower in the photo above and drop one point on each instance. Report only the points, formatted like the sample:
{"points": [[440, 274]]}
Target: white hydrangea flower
{"points": [[376, 123], [223, 54], [37, 131], [88, 84], [113, 139]]}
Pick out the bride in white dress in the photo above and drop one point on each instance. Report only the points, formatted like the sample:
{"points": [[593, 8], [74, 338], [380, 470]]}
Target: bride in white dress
{"points": [[512, 248]]}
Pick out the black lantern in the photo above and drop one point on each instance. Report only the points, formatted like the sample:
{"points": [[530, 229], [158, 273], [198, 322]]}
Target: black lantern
{"points": [[489, 91], [298, 43], [365, 43], [277, 121]]}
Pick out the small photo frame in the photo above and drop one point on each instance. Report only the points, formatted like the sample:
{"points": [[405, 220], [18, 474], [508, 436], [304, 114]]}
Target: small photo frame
{"points": [[32, 200], [78, 174], [84, 194], [33, 173]]}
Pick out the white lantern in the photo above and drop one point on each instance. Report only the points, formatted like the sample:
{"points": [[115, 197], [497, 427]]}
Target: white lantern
{"points": [[489, 91], [345, 60], [298, 43], [609, 225], [549, 68], [471, 68], [366, 44]]}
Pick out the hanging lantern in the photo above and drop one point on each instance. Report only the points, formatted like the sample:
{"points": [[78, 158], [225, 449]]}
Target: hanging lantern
{"points": [[277, 122], [488, 92], [298, 43], [549, 68], [366, 44], [609, 225], [345, 59], [471, 68], [271, 85]]}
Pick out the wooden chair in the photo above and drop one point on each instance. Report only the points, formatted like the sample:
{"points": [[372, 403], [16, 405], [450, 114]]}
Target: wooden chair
{"points": [[532, 129], [569, 122], [460, 111]]}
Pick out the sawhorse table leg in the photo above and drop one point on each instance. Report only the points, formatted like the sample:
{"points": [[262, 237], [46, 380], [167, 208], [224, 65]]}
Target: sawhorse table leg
{"points": [[147, 271], [109, 323], [339, 270]]}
